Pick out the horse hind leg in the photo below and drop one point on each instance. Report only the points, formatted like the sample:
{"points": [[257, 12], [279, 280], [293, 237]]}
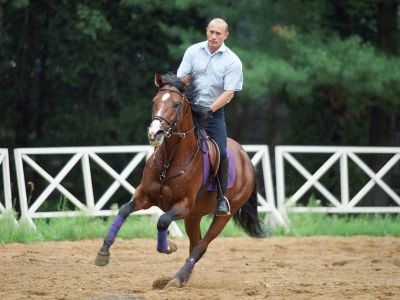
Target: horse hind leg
{"points": [[193, 231], [182, 277], [103, 256]]}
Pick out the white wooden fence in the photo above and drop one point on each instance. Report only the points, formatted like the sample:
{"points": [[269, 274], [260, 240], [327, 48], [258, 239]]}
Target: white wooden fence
{"points": [[267, 201], [5, 199], [95, 207], [341, 155]]}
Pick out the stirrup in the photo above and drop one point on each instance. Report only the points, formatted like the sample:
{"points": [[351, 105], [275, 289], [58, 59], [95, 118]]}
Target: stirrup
{"points": [[225, 212]]}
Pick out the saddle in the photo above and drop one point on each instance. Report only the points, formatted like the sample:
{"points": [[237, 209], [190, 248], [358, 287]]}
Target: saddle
{"points": [[211, 158]]}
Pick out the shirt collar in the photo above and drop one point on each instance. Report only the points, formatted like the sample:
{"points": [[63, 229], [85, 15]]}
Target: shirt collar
{"points": [[222, 48]]}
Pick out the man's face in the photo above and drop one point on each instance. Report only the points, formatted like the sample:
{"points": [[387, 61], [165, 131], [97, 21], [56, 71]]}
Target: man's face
{"points": [[216, 35]]}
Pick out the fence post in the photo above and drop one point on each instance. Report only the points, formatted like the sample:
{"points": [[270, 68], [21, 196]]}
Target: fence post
{"points": [[4, 163], [23, 201]]}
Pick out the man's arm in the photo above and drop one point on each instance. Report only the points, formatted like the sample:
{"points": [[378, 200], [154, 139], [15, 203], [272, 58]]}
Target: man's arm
{"points": [[222, 100], [185, 68]]}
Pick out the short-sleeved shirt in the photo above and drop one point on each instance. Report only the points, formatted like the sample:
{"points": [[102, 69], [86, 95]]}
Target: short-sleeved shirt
{"points": [[214, 73]]}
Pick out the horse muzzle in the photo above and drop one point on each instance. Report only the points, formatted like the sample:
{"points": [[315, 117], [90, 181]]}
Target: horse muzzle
{"points": [[156, 133], [156, 139]]}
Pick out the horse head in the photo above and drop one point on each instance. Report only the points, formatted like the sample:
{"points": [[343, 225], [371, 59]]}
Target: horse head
{"points": [[169, 107]]}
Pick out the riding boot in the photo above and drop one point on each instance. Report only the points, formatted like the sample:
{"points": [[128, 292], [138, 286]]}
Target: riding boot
{"points": [[223, 207]]}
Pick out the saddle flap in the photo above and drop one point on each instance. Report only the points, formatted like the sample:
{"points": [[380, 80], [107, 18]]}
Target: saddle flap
{"points": [[213, 155]]}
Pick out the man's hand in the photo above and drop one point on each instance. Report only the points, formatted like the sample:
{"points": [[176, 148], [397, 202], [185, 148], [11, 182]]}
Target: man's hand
{"points": [[186, 80], [209, 113], [203, 112]]}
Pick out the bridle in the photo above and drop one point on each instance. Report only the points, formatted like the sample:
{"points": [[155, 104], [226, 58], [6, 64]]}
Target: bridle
{"points": [[171, 130]]}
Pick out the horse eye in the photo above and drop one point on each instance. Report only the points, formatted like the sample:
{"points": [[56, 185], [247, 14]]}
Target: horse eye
{"points": [[175, 105]]}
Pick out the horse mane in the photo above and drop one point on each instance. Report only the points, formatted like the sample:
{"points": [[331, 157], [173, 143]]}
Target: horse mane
{"points": [[189, 90], [192, 93], [173, 80]]}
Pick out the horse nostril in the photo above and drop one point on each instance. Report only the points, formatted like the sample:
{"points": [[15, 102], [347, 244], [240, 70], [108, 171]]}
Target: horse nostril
{"points": [[156, 136], [156, 139], [159, 134]]}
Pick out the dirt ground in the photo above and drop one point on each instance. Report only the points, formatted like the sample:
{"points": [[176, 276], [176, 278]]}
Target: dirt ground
{"points": [[232, 268]]}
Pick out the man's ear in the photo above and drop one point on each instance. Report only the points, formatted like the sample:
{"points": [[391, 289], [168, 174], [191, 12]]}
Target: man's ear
{"points": [[158, 81], [226, 35]]}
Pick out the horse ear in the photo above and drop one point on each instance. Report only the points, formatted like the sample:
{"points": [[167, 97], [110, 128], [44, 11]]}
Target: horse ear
{"points": [[158, 80]]}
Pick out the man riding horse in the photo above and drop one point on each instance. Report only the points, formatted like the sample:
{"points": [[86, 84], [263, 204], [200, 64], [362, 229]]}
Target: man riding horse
{"points": [[218, 73], [173, 177]]}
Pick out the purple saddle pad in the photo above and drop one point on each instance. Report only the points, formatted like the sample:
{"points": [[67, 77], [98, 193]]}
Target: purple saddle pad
{"points": [[211, 186]]}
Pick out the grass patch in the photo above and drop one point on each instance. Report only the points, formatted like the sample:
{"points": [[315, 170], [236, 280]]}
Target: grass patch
{"points": [[312, 224], [11, 232], [83, 227]]}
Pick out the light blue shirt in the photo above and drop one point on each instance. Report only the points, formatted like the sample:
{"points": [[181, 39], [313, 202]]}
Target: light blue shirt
{"points": [[214, 73]]}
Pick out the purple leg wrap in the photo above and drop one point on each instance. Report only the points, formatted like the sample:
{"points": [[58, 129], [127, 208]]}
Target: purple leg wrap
{"points": [[162, 242], [113, 231], [184, 273]]}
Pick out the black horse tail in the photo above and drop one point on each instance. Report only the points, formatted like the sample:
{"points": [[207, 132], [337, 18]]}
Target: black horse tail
{"points": [[247, 216]]}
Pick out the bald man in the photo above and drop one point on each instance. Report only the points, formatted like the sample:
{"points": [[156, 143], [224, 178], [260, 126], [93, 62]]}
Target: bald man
{"points": [[218, 73]]}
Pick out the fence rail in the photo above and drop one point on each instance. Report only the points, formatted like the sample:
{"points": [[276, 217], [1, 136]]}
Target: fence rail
{"points": [[341, 155], [95, 207], [6, 204]]}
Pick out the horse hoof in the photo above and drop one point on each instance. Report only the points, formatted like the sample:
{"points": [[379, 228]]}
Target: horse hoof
{"points": [[172, 247], [102, 259], [174, 283]]}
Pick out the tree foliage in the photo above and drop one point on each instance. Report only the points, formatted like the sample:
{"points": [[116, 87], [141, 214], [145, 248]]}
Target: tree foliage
{"points": [[81, 72], [323, 60]]}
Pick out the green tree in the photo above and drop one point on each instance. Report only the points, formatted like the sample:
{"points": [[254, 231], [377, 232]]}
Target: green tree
{"points": [[81, 73]]}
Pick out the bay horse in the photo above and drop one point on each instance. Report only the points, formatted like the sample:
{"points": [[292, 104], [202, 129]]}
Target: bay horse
{"points": [[173, 180]]}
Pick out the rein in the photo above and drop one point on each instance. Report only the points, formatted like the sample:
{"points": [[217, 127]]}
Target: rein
{"points": [[167, 162]]}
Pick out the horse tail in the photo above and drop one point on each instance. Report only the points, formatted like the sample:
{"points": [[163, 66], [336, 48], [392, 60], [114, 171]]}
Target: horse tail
{"points": [[247, 216]]}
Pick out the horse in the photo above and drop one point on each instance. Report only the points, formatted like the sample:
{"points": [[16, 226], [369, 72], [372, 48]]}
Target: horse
{"points": [[173, 180]]}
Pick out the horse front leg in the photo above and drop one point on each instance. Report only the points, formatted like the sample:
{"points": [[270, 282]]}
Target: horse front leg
{"points": [[163, 244], [103, 256]]}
